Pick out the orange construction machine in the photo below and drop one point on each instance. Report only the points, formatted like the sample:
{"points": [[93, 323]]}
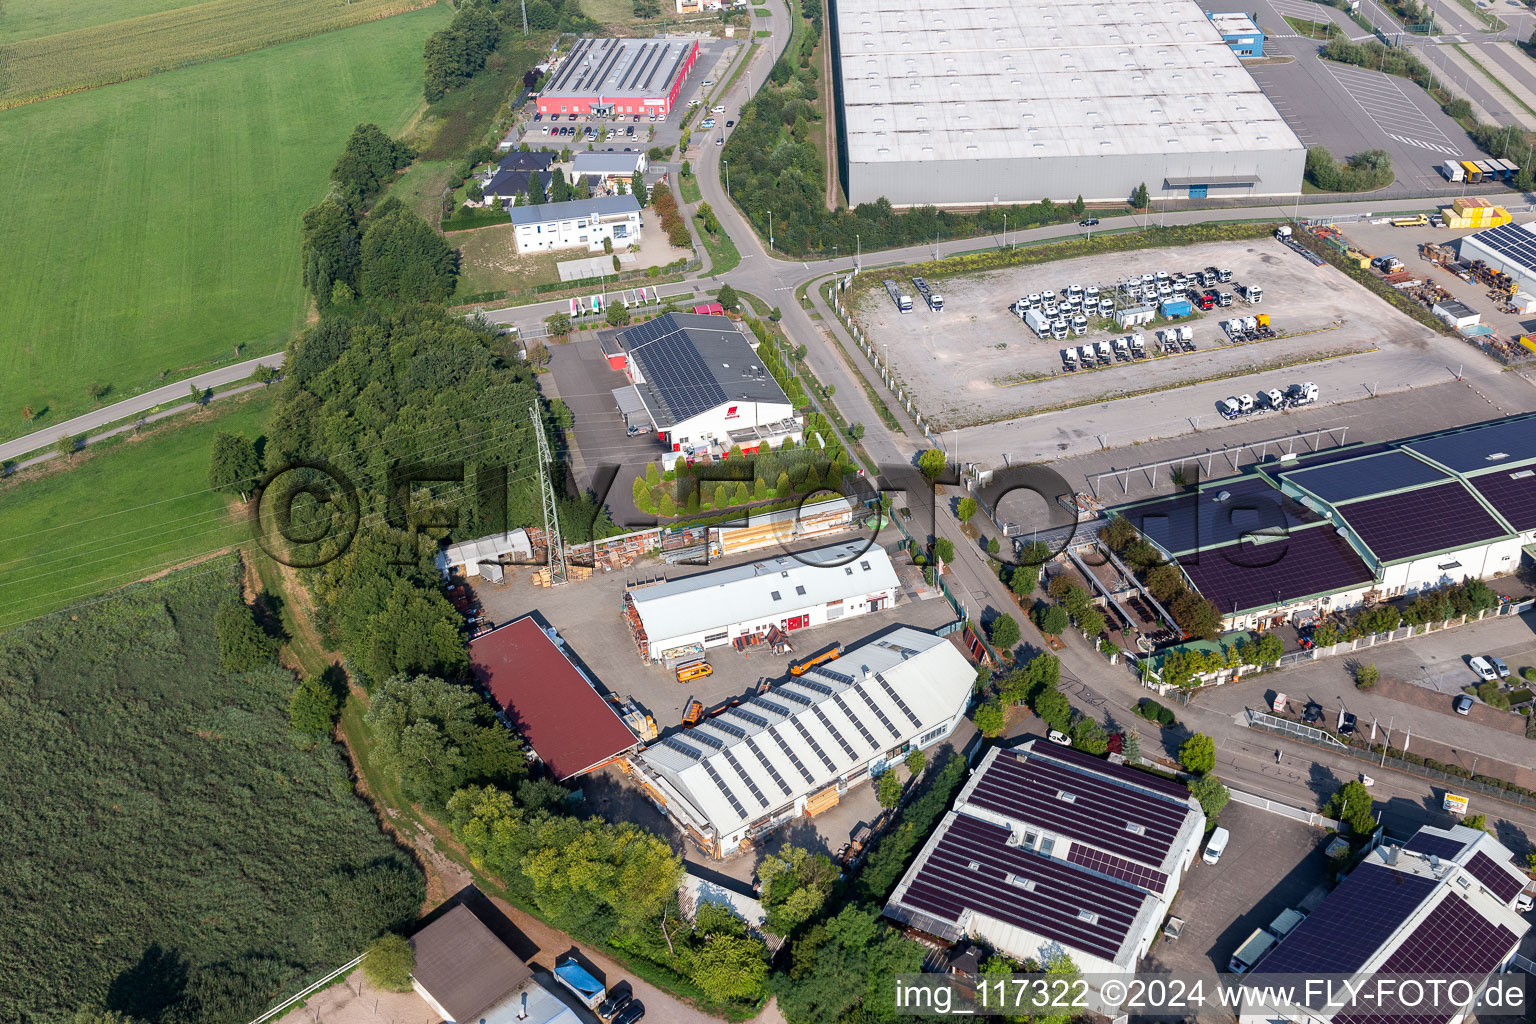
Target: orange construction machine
{"points": [[832, 653]]}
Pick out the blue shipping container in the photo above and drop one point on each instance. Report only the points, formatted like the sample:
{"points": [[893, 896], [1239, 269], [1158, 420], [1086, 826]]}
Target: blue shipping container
{"points": [[1176, 307]]}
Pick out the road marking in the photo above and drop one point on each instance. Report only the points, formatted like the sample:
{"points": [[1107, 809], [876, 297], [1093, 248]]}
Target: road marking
{"points": [[1403, 116]]}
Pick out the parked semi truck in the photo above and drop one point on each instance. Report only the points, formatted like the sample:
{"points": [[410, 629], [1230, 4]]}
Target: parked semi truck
{"points": [[934, 299], [1037, 321], [903, 302]]}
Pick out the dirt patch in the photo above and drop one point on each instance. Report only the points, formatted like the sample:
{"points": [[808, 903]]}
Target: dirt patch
{"points": [[1434, 700]]}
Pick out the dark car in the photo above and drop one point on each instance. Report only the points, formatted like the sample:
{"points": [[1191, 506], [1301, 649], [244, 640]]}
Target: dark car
{"points": [[1312, 713], [1347, 724], [730, 124], [1088, 222], [537, 118], [615, 1003], [630, 1014]]}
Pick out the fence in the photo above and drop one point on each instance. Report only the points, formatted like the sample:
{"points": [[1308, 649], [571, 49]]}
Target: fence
{"points": [[949, 595], [845, 316], [1263, 803], [1401, 633], [307, 992], [1328, 741]]}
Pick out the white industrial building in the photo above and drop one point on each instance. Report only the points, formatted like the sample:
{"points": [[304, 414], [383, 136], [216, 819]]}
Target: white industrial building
{"points": [[789, 592], [799, 747], [1445, 904], [1508, 247], [696, 381], [1334, 529], [607, 169], [581, 223], [1051, 850], [976, 102]]}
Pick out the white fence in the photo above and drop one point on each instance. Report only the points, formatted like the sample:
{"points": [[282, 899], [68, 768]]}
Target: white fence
{"points": [[1312, 818], [311, 990], [1400, 633]]}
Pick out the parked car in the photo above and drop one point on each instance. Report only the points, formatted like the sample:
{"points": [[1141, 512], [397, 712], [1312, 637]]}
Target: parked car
{"points": [[1056, 736], [1499, 666], [630, 1014], [1312, 713], [1216, 845], [1088, 222], [1462, 705], [637, 119], [1347, 724], [537, 118], [617, 1001], [730, 124], [708, 82], [718, 109], [1484, 670]]}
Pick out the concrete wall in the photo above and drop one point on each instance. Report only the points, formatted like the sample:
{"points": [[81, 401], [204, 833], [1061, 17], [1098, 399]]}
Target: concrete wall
{"points": [[1062, 179]]}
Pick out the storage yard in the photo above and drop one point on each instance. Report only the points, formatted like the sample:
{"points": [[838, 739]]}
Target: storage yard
{"points": [[978, 362]]}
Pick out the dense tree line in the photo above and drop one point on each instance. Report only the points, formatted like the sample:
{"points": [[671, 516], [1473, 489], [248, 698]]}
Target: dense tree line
{"points": [[454, 55], [367, 163], [391, 255]]}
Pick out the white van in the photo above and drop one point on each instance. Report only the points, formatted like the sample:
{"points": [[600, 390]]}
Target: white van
{"points": [[1216, 845]]}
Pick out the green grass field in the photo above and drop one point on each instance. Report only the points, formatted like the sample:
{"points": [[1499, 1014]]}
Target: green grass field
{"points": [[159, 218], [29, 19], [130, 508]]}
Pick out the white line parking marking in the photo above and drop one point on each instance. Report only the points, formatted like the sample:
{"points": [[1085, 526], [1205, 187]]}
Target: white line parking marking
{"points": [[1390, 109]]}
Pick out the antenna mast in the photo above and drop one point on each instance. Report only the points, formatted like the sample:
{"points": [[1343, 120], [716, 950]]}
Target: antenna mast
{"points": [[558, 573]]}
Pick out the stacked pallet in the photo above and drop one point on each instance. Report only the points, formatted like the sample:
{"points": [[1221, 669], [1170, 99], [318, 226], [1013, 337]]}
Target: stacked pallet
{"points": [[1475, 212], [542, 577]]}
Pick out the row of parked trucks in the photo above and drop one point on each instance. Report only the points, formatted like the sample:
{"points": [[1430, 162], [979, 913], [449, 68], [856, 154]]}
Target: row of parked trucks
{"points": [[1247, 328], [903, 301], [1124, 349], [1475, 171], [1293, 397]]}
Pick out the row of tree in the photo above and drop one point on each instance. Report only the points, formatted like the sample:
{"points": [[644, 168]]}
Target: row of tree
{"points": [[389, 255], [1194, 614], [454, 55], [1363, 172]]}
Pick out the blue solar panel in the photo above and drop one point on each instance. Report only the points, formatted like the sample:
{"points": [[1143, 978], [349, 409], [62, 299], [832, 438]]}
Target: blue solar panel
{"points": [[1357, 478], [1513, 493], [1439, 518], [1351, 924], [1199, 521], [1485, 445], [1428, 843], [1238, 577]]}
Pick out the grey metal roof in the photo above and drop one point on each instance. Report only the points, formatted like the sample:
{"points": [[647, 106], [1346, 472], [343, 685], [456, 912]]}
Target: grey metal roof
{"points": [[605, 163], [691, 363], [974, 79], [1215, 179], [601, 206], [515, 182], [533, 160], [604, 69], [464, 966]]}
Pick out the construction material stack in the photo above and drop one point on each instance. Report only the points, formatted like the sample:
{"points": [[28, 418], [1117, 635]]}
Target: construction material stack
{"points": [[1475, 212]]}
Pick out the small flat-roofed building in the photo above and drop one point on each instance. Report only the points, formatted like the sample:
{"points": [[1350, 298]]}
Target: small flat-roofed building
{"points": [[1334, 529], [799, 747], [1444, 904], [548, 699], [582, 223], [619, 77], [606, 170], [1239, 32], [1048, 849], [703, 386], [789, 592]]}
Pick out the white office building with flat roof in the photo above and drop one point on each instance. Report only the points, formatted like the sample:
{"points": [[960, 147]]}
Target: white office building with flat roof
{"points": [[980, 102], [579, 223]]}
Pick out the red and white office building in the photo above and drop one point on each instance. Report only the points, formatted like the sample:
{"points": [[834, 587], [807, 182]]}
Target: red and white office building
{"points": [[619, 77], [697, 382]]}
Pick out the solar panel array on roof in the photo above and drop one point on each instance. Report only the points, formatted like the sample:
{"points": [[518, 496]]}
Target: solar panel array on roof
{"points": [[725, 790], [1130, 776], [1504, 886], [704, 737], [884, 720], [1453, 939], [1512, 492], [1198, 522], [1414, 523], [793, 757], [774, 772], [1306, 460], [677, 373], [810, 740], [731, 759], [1241, 576], [747, 716], [1024, 788], [1485, 445], [826, 723], [1372, 474], [858, 723], [947, 885], [890, 691], [680, 746], [1428, 843], [1351, 924], [1118, 867]]}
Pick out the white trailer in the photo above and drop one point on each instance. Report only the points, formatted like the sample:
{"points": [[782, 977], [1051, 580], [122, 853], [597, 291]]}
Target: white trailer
{"points": [[1037, 322], [1453, 171]]}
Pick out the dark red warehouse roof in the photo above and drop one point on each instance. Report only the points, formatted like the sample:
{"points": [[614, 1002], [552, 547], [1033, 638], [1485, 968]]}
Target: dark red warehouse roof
{"points": [[547, 699]]}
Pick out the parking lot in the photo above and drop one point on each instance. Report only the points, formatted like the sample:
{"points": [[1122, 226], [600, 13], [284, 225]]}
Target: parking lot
{"points": [[1271, 864], [976, 362], [588, 614]]}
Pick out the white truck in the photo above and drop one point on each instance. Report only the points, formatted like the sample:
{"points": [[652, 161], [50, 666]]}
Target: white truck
{"points": [[1088, 356], [903, 302], [1104, 353], [1302, 394], [1069, 358], [1251, 293], [1138, 346], [1123, 348], [934, 299], [1037, 322], [1453, 171]]}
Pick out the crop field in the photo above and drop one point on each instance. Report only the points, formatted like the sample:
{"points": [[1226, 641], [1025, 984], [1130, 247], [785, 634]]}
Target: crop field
{"points": [[28, 19], [117, 51], [129, 509], [171, 851], [159, 218]]}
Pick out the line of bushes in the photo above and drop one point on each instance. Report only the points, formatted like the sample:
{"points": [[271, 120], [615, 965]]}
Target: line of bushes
{"points": [[1152, 711], [1195, 615], [672, 221], [1364, 172], [1468, 598]]}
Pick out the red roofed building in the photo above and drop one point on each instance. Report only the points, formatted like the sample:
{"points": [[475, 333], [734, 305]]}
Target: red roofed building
{"points": [[547, 699], [710, 309]]}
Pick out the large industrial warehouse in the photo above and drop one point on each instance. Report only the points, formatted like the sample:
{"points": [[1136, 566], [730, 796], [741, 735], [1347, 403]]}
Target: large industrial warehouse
{"points": [[798, 748], [607, 77], [1352, 525], [698, 384], [790, 592], [975, 102]]}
